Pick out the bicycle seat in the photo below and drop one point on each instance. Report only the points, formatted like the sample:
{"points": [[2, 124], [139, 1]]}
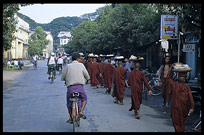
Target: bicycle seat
{"points": [[76, 94]]}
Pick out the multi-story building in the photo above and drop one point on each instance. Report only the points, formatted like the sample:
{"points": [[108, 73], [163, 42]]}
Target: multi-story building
{"points": [[64, 37], [49, 47], [19, 47]]}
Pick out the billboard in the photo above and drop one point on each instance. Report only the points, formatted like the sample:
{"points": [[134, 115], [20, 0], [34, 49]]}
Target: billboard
{"points": [[169, 27]]}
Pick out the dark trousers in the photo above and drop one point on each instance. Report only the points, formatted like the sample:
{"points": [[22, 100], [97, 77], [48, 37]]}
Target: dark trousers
{"points": [[50, 68]]}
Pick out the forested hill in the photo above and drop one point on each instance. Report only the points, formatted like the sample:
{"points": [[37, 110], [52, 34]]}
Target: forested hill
{"points": [[60, 23]]}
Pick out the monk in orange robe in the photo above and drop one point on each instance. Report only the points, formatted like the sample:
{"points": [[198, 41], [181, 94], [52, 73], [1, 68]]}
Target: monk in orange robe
{"points": [[108, 73], [136, 80], [119, 83], [101, 67], [89, 63], [182, 101], [95, 71]]}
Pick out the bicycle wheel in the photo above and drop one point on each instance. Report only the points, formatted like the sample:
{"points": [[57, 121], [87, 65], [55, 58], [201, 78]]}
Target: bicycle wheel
{"points": [[77, 115], [74, 115], [156, 89], [52, 77], [60, 70], [74, 124]]}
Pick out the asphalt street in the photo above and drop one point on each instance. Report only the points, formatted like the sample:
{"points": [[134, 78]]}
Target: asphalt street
{"points": [[32, 104]]}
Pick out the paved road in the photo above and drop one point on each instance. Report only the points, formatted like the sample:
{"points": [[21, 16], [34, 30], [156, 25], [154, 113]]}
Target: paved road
{"points": [[33, 104]]}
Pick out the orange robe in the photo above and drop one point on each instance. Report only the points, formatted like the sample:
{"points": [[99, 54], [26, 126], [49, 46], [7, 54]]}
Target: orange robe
{"points": [[182, 101], [89, 69], [136, 80], [95, 73], [101, 67], [119, 82], [108, 73]]}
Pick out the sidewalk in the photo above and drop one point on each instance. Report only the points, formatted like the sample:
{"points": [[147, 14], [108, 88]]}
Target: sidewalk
{"points": [[12, 74], [9, 76]]}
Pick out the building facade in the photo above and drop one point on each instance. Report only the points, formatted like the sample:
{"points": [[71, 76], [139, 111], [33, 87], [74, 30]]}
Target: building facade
{"points": [[49, 47], [64, 37], [19, 47]]}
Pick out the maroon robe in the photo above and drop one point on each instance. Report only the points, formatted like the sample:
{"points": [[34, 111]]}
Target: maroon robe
{"points": [[89, 69], [135, 80], [108, 73], [119, 82], [95, 73], [182, 101], [101, 67]]}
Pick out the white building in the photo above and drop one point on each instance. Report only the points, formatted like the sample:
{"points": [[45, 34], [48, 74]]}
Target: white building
{"points": [[64, 37], [19, 47], [49, 47]]}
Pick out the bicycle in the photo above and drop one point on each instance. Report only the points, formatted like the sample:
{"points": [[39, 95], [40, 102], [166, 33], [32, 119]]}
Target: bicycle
{"points": [[144, 92], [52, 77], [155, 86], [196, 126], [60, 68], [35, 64], [75, 110]]}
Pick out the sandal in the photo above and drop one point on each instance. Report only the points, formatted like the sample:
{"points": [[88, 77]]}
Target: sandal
{"points": [[70, 121], [82, 115], [121, 103], [116, 102]]}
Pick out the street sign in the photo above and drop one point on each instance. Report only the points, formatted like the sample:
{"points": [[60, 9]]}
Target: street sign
{"points": [[189, 48], [169, 27]]}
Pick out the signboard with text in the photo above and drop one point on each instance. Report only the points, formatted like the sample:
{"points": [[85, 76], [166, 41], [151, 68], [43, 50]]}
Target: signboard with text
{"points": [[169, 27], [189, 48]]}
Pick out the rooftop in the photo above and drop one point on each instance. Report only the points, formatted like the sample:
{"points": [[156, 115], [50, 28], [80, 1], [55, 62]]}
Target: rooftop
{"points": [[64, 34]]}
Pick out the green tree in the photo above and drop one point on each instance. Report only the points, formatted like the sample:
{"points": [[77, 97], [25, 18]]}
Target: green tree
{"points": [[37, 41], [9, 23], [129, 26]]}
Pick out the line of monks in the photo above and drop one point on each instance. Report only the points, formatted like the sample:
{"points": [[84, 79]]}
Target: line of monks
{"points": [[107, 73]]}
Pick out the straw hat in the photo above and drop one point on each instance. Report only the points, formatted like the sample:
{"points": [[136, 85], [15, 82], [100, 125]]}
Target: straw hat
{"points": [[180, 67], [140, 58], [101, 55], [91, 55], [132, 57], [119, 57], [126, 60], [179, 64], [81, 54]]}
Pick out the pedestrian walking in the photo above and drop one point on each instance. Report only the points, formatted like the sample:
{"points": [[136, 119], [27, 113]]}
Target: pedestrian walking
{"points": [[182, 101], [119, 81], [95, 71], [127, 68], [89, 63], [108, 75], [136, 80], [163, 70], [101, 68]]}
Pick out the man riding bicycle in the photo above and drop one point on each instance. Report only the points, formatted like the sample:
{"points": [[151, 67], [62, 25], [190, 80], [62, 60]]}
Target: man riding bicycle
{"points": [[59, 62], [35, 60], [74, 75], [52, 62]]}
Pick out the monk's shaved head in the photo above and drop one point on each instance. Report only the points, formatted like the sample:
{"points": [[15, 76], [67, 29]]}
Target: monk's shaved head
{"points": [[137, 65], [94, 59], [109, 60], [181, 79]]}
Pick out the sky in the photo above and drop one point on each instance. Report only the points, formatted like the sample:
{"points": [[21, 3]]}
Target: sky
{"points": [[45, 13]]}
